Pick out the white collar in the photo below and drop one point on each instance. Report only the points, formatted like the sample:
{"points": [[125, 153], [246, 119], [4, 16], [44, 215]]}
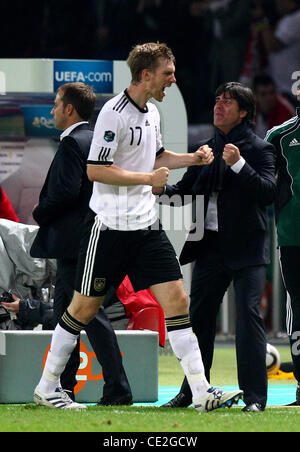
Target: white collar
{"points": [[67, 131]]}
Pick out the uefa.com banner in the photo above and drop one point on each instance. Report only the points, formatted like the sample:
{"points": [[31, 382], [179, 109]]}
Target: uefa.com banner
{"points": [[98, 74], [38, 121]]}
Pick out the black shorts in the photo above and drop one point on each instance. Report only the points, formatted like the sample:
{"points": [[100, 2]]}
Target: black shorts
{"points": [[106, 256]]}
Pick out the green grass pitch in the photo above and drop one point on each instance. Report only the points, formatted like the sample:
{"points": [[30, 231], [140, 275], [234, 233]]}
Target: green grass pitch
{"points": [[108, 420]]}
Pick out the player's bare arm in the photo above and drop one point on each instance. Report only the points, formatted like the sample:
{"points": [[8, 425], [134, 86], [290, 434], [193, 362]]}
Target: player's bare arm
{"points": [[171, 160], [114, 175]]}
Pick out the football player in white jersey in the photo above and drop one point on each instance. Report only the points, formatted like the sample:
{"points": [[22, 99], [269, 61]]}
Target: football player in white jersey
{"points": [[122, 232]]}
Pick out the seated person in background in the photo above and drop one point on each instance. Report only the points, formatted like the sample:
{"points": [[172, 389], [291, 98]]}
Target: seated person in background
{"points": [[122, 307], [21, 274], [24, 314], [6, 209], [271, 107]]}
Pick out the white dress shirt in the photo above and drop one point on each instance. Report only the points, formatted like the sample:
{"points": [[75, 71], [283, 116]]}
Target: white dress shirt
{"points": [[211, 219], [67, 131]]}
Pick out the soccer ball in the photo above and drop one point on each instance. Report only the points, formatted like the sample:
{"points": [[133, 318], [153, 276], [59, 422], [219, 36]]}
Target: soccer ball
{"points": [[272, 359]]}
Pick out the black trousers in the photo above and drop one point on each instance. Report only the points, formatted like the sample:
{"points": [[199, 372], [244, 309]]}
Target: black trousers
{"points": [[210, 280], [100, 333], [290, 259]]}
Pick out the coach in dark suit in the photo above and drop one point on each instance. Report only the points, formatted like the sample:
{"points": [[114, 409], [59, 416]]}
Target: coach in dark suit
{"points": [[60, 213], [237, 187]]}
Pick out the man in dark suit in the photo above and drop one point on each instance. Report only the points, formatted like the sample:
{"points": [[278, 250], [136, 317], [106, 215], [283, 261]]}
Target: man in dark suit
{"points": [[60, 213], [237, 187]]}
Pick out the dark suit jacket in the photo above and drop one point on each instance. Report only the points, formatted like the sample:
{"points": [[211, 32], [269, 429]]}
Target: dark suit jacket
{"points": [[64, 198], [242, 214]]}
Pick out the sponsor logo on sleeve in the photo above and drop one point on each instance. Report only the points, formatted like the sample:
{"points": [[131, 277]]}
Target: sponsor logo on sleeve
{"points": [[109, 136]]}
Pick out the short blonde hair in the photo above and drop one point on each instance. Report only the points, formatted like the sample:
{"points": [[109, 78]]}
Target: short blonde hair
{"points": [[146, 56]]}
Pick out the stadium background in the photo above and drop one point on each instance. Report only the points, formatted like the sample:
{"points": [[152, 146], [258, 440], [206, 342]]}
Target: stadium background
{"points": [[107, 30]]}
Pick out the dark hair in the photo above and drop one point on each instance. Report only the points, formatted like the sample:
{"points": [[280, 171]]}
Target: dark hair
{"points": [[146, 56], [81, 96], [262, 80], [244, 97]]}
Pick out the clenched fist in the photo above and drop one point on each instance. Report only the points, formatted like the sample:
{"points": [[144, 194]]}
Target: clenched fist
{"points": [[231, 154], [160, 177], [203, 155]]}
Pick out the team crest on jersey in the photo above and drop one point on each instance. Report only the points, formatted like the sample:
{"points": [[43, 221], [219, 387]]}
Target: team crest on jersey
{"points": [[99, 284], [109, 136]]}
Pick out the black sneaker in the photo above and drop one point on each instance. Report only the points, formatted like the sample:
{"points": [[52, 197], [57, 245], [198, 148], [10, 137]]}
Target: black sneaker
{"points": [[179, 401], [253, 408], [121, 400]]}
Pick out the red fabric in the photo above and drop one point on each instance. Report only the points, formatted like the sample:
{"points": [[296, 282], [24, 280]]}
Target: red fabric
{"points": [[134, 302], [6, 209], [149, 319]]}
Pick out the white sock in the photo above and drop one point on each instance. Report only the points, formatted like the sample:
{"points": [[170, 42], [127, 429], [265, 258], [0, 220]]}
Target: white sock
{"points": [[62, 345], [185, 346]]}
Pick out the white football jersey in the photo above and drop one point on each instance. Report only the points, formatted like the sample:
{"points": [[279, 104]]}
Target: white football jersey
{"points": [[128, 137]]}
